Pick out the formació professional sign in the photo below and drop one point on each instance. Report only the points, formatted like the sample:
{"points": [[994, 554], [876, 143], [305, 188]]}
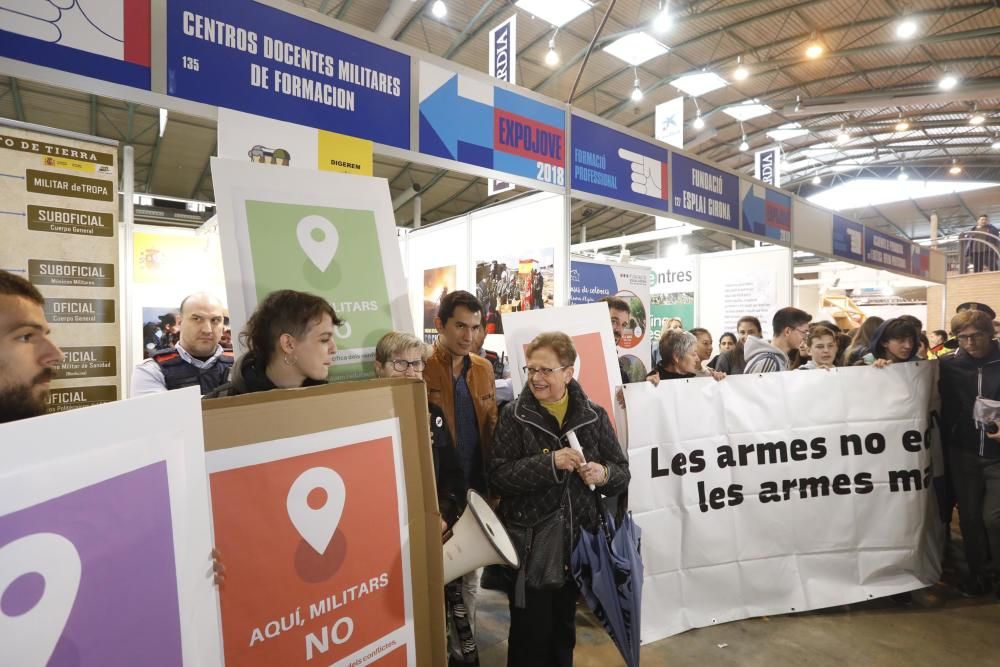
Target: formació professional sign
{"points": [[469, 120], [250, 57], [848, 238], [889, 252], [108, 40], [616, 165], [705, 193]]}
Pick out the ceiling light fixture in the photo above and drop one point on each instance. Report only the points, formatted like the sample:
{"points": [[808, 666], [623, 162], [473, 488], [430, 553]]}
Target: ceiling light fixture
{"points": [[636, 90], [903, 125], [996, 143], [747, 110], [697, 85], [699, 122], [663, 20], [741, 72], [439, 9], [555, 12], [815, 49], [635, 48], [787, 131], [977, 119], [955, 168], [552, 57], [906, 28], [843, 137], [903, 176], [816, 180], [744, 146], [947, 82]]}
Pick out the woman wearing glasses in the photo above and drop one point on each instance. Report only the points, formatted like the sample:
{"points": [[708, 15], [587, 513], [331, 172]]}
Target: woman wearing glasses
{"points": [[536, 472], [289, 343]]}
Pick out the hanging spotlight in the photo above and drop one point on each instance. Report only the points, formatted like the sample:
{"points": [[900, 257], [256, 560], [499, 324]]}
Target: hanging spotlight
{"points": [[947, 82], [977, 119], [814, 50], [636, 90], [903, 176], [744, 146], [817, 180], [906, 28], [552, 57], [663, 20], [996, 143], [699, 122], [741, 72], [439, 9], [903, 125], [843, 137], [955, 168]]}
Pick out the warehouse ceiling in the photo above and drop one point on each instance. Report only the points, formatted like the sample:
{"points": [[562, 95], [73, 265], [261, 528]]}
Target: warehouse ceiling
{"points": [[838, 115]]}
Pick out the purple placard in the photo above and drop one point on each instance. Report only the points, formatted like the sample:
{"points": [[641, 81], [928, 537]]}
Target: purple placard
{"points": [[889, 252], [704, 193], [126, 610]]}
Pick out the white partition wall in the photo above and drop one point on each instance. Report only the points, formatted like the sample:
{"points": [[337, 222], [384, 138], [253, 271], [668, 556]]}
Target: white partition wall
{"points": [[756, 281], [433, 255]]}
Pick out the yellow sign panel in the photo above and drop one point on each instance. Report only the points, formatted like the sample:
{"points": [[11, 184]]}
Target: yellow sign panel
{"points": [[348, 155]]}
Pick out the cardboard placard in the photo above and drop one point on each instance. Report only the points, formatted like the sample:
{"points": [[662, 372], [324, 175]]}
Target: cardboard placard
{"points": [[346, 428]]}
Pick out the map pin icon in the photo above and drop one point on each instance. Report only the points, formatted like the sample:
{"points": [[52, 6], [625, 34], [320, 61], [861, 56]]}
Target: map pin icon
{"points": [[315, 504], [39, 579], [320, 252]]}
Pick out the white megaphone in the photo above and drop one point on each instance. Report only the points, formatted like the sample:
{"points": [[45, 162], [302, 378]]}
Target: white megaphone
{"points": [[477, 539]]}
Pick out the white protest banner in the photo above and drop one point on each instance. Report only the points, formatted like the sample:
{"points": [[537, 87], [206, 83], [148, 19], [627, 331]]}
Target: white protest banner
{"points": [[778, 493], [589, 325], [105, 546], [333, 235]]}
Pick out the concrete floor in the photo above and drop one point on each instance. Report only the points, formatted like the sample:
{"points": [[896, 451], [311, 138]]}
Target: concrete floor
{"points": [[939, 629]]}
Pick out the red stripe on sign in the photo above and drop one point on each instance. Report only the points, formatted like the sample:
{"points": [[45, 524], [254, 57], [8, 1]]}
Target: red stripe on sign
{"points": [[517, 135], [665, 189], [137, 16]]}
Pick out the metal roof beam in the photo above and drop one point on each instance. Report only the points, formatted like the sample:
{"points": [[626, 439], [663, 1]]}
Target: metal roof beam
{"points": [[15, 91]]}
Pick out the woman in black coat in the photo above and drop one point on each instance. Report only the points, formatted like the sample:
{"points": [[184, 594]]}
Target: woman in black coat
{"points": [[534, 470]]}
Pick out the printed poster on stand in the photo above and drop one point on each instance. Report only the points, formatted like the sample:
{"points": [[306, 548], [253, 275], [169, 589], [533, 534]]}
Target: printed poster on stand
{"points": [[589, 325], [58, 211], [591, 280], [673, 293], [105, 546], [328, 234], [325, 517]]}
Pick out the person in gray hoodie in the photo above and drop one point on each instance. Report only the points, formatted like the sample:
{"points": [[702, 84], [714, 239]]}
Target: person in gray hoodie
{"points": [[790, 326]]}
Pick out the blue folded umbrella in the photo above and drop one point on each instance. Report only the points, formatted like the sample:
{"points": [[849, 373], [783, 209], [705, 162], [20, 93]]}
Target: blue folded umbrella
{"points": [[607, 568]]}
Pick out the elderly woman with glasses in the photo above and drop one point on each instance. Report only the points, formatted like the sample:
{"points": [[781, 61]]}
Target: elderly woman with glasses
{"points": [[679, 358], [537, 474]]}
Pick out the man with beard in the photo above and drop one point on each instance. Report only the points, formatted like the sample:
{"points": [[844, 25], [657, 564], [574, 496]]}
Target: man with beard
{"points": [[28, 356], [631, 369]]}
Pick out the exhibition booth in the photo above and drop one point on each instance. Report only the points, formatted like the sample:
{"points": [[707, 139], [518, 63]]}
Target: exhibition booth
{"points": [[298, 208]]}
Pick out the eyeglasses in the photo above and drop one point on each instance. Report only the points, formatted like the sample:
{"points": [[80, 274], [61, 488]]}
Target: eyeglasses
{"points": [[544, 372], [968, 338], [402, 364]]}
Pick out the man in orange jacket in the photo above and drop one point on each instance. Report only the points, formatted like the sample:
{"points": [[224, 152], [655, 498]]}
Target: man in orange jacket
{"points": [[461, 384]]}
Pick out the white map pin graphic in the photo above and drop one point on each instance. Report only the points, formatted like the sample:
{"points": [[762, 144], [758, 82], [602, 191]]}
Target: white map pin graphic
{"points": [[320, 253], [30, 634], [317, 526]]}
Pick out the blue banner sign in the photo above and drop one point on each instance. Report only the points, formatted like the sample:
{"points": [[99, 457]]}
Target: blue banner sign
{"points": [[253, 58], [466, 119], [767, 212], [848, 238], [889, 252], [616, 165], [705, 193], [110, 44]]}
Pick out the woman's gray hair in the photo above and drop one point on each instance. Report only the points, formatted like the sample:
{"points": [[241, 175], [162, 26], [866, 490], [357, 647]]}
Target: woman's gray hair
{"points": [[675, 343]]}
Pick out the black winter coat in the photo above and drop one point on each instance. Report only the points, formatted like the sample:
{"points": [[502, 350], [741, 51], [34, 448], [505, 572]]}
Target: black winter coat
{"points": [[447, 472], [522, 469], [962, 379]]}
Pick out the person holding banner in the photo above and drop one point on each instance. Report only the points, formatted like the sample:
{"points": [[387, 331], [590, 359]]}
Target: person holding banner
{"points": [[894, 342], [543, 486], [679, 358], [822, 343], [790, 326], [289, 343], [734, 361], [973, 373], [28, 357]]}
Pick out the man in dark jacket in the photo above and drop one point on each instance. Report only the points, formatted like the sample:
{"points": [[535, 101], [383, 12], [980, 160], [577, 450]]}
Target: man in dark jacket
{"points": [[973, 454]]}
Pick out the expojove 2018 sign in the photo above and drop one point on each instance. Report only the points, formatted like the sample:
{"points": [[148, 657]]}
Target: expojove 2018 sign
{"points": [[58, 207], [728, 479]]}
